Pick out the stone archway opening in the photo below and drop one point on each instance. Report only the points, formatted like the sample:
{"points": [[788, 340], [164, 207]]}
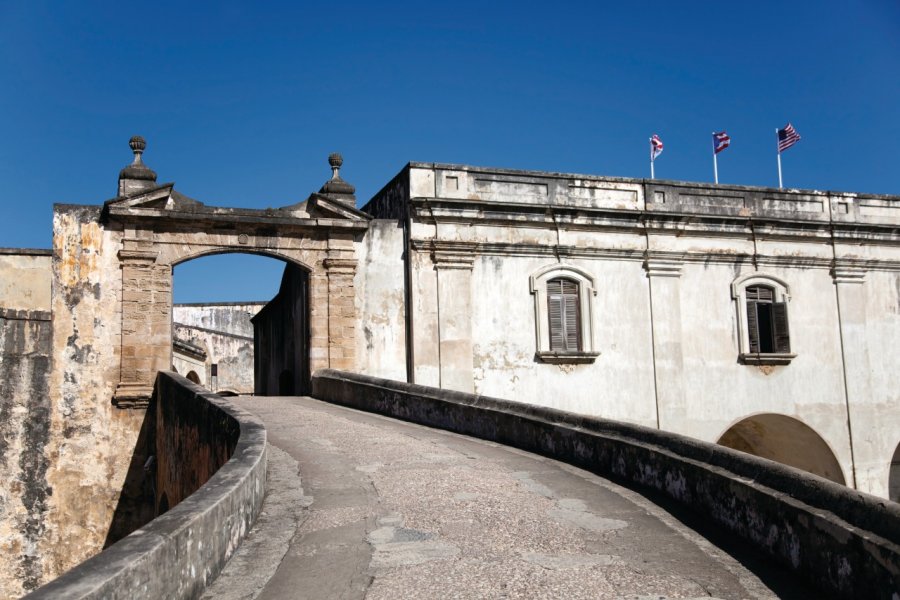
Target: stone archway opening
{"points": [[894, 477], [786, 440], [244, 317]]}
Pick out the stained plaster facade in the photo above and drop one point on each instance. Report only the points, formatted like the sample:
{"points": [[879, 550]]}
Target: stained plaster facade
{"points": [[665, 261], [25, 359]]}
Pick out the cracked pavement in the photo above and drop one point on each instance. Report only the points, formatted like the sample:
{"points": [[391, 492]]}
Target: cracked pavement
{"points": [[363, 506]]}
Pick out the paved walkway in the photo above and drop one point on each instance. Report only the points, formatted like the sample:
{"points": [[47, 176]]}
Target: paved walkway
{"points": [[364, 506]]}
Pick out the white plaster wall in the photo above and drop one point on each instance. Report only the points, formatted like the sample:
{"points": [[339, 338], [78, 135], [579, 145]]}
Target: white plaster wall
{"points": [[876, 419], [721, 391], [424, 315], [618, 385], [379, 283]]}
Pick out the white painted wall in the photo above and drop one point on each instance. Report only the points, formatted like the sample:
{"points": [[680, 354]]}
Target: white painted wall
{"points": [[664, 319]]}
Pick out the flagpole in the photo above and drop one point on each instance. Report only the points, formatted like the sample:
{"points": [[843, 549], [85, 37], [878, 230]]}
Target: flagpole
{"points": [[780, 186], [652, 176], [715, 162]]}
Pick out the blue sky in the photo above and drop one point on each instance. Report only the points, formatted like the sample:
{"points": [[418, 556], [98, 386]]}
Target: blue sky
{"points": [[241, 102]]}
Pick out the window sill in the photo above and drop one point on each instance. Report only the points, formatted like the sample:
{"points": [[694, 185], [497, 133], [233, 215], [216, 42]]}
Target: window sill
{"points": [[561, 358], [766, 359]]}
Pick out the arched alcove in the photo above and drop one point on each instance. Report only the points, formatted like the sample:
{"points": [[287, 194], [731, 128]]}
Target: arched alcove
{"points": [[192, 376], [786, 440], [894, 477]]}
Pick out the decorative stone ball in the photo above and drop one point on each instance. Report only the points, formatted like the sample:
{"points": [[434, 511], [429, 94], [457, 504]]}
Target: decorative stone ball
{"points": [[335, 160], [137, 143]]}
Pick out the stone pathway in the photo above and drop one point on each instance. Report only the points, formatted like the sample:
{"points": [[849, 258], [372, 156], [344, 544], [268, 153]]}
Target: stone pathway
{"points": [[361, 506]]}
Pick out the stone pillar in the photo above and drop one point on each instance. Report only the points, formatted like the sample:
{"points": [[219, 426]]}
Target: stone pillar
{"points": [[668, 361], [146, 322], [868, 472], [454, 291], [341, 313], [318, 319]]}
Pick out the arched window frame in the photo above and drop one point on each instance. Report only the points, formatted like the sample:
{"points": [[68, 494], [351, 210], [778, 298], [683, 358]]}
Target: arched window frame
{"points": [[782, 294], [586, 292]]}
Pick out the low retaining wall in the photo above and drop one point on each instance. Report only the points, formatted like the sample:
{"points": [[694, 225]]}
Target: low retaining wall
{"points": [[843, 541], [178, 553]]}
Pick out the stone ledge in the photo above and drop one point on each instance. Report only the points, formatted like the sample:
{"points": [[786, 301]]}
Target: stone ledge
{"points": [[180, 552], [14, 314], [841, 540], [766, 359], [564, 358]]}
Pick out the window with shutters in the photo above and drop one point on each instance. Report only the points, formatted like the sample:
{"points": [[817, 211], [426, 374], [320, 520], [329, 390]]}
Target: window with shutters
{"points": [[563, 297], [565, 323], [762, 317]]}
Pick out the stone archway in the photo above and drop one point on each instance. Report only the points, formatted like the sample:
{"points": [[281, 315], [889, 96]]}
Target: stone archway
{"points": [[156, 228], [786, 440], [894, 476]]}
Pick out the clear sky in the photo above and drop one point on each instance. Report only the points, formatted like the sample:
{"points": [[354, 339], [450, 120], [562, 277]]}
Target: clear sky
{"points": [[241, 102]]}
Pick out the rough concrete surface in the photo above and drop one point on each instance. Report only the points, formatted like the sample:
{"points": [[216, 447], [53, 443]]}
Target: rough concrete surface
{"points": [[394, 510]]}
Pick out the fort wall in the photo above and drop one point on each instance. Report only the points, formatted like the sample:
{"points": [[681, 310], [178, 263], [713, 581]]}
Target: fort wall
{"points": [[211, 469]]}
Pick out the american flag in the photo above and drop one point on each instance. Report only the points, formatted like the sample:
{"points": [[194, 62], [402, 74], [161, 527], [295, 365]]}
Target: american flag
{"points": [[787, 137], [656, 147], [720, 141]]}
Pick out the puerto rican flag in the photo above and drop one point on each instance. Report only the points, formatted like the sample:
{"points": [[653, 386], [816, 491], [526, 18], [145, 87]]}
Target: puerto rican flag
{"points": [[656, 147], [721, 141]]}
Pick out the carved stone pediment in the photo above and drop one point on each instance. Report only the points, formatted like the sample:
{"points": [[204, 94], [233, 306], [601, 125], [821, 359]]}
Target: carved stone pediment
{"points": [[160, 198], [321, 206]]}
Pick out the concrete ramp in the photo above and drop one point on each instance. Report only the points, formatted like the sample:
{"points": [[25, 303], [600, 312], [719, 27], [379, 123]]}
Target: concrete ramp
{"points": [[361, 505]]}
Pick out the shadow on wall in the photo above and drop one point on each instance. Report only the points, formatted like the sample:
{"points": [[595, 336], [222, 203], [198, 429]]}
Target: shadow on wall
{"points": [[785, 440], [894, 477], [137, 499]]}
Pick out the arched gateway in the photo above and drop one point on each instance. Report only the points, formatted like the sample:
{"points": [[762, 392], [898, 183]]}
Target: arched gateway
{"points": [[153, 228]]}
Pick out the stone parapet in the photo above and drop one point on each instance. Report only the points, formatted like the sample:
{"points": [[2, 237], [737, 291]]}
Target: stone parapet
{"points": [[180, 552]]}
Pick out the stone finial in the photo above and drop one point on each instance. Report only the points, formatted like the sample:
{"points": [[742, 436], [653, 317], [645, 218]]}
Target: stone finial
{"points": [[336, 187], [335, 160], [137, 144], [137, 176]]}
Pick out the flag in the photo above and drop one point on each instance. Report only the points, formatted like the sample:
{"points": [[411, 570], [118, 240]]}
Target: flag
{"points": [[787, 137], [720, 141], [656, 147]]}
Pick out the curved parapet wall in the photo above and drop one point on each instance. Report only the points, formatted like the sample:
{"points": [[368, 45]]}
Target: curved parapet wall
{"points": [[178, 553], [846, 542]]}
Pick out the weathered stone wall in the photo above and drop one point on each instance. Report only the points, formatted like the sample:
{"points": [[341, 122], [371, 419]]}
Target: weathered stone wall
{"points": [[25, 361], [193, 439], [844, 542], [220, 317], [25, 278], [225, 332], [92, 443], [180, 552]]}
